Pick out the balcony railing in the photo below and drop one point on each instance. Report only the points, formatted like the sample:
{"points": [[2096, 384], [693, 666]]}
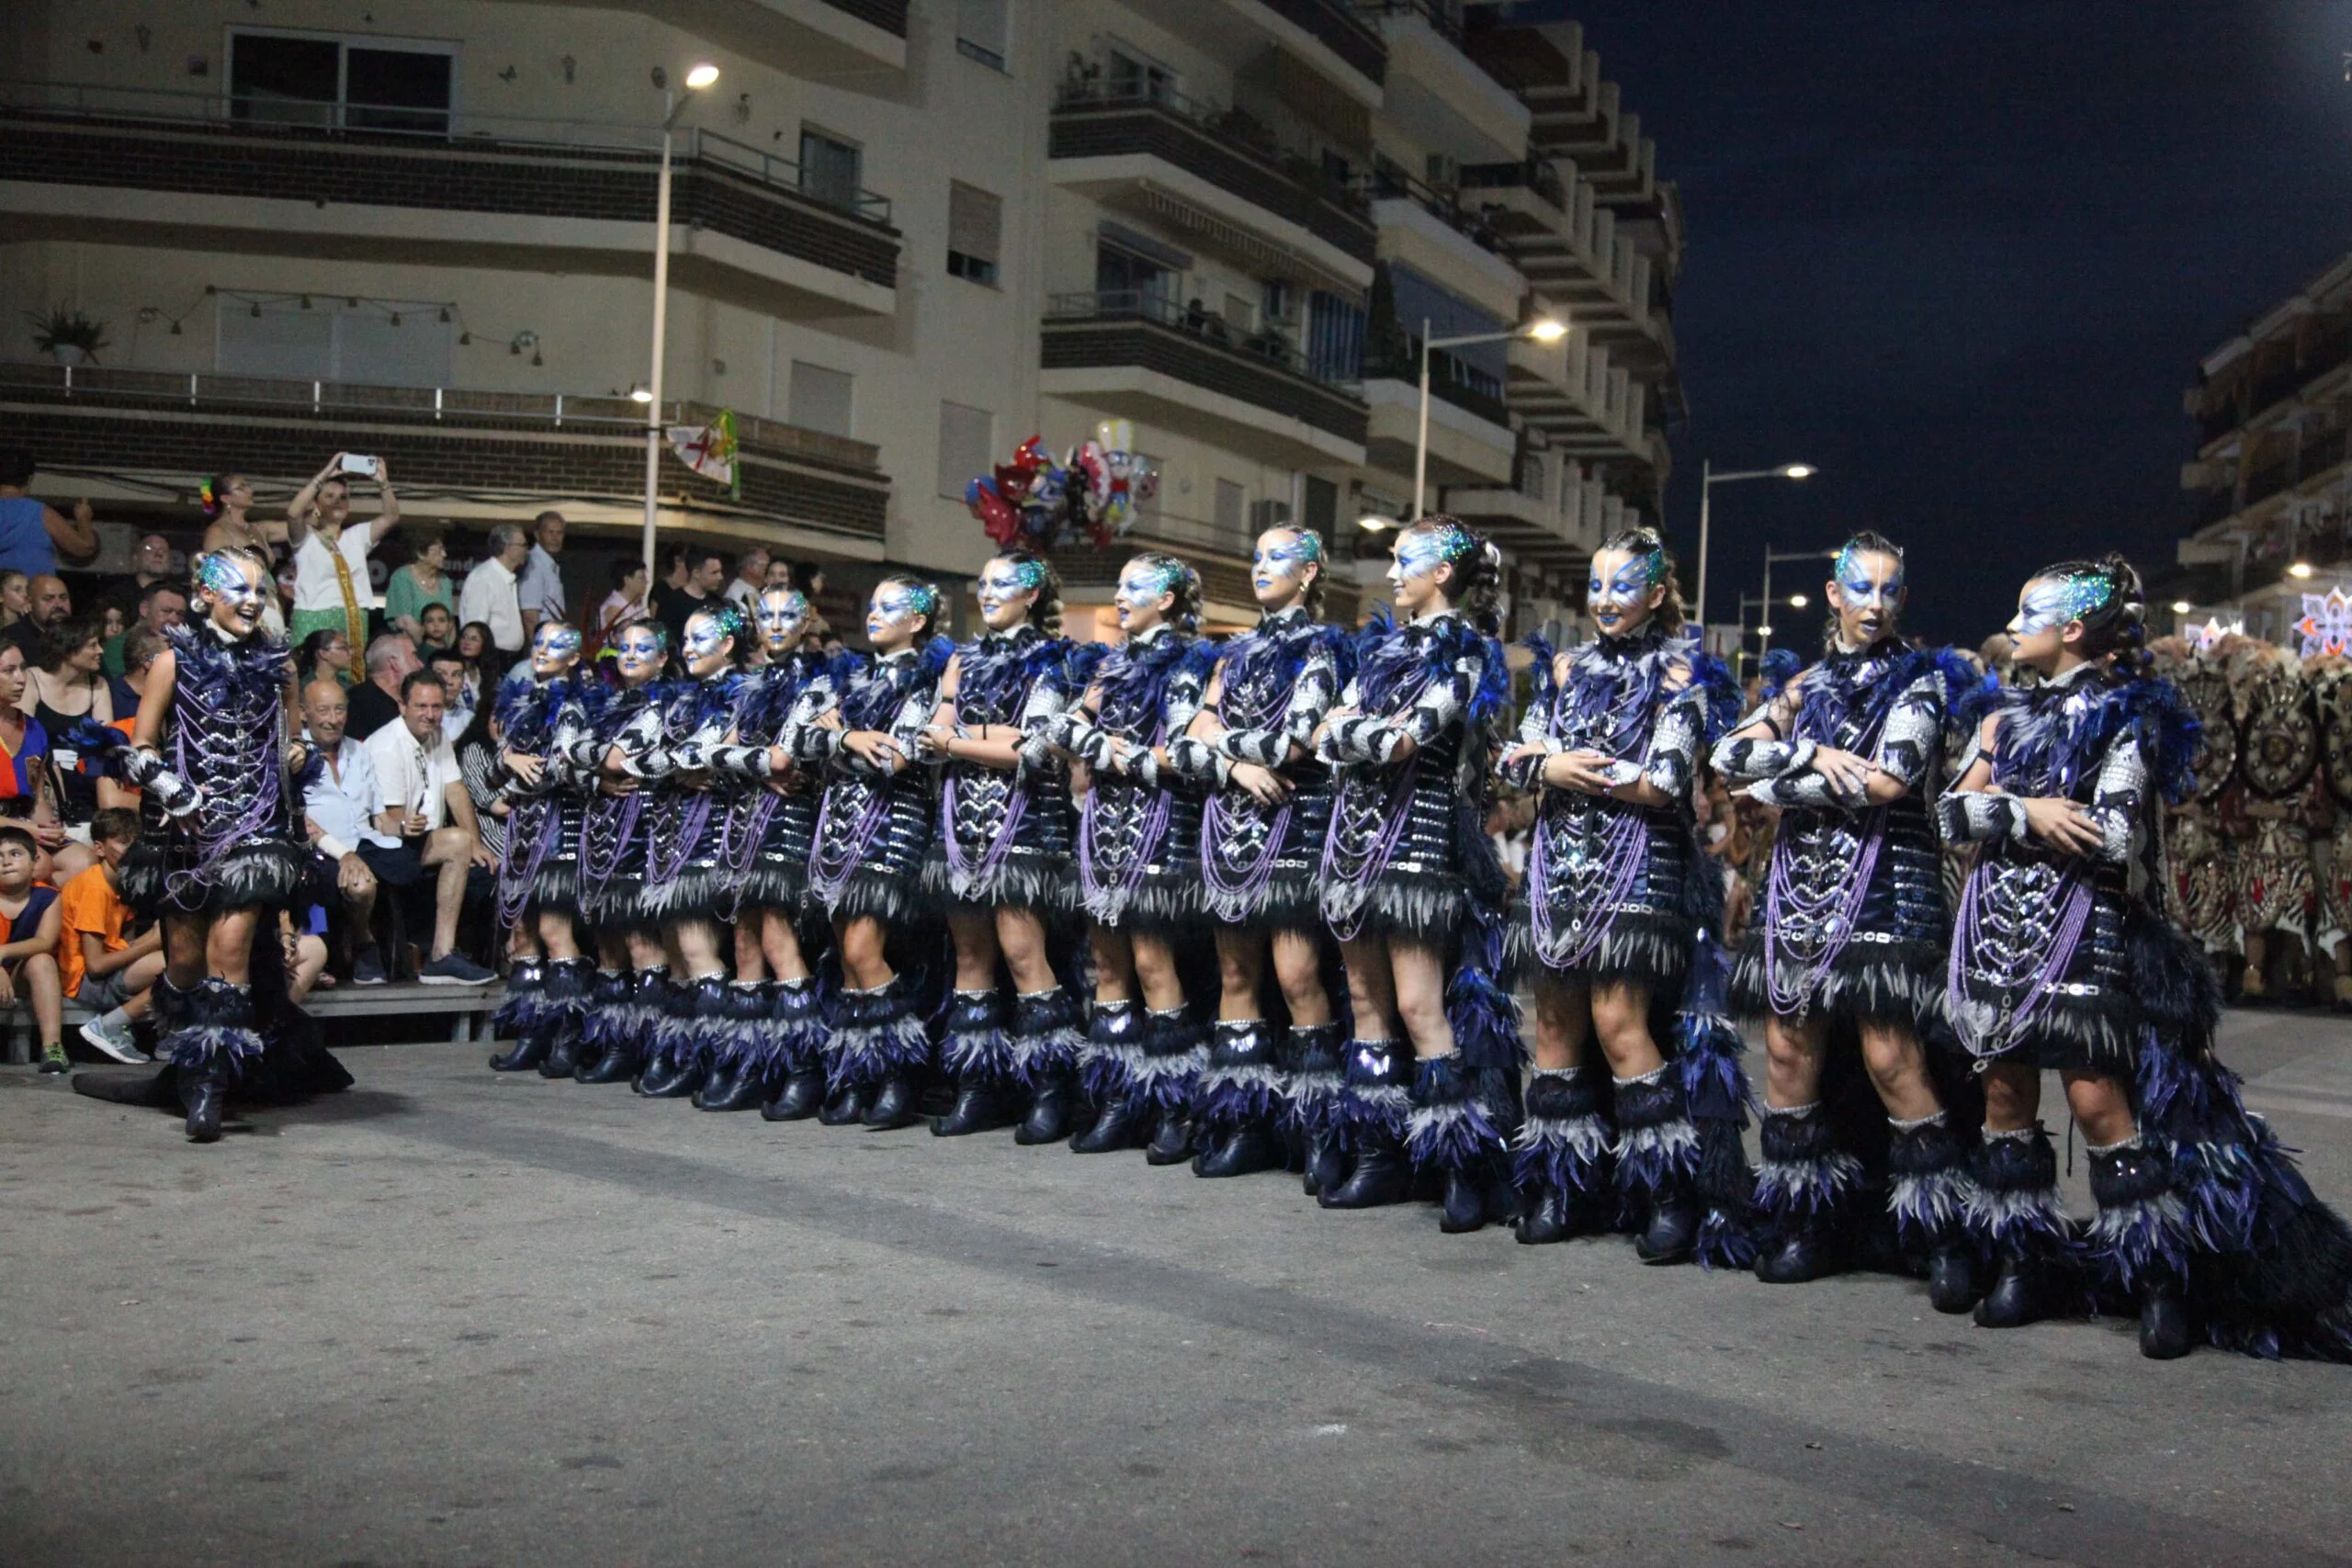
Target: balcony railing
{"points": [[1444, 17], [72, 134], [890, 15], [1121, 328], [1540, 177], [1096, 118], [520, 448], [1388, 182], [1332, 25], [1454, 381]]}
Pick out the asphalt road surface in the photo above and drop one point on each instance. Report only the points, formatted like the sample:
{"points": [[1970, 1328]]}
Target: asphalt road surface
{"points": [[456, 1318]]}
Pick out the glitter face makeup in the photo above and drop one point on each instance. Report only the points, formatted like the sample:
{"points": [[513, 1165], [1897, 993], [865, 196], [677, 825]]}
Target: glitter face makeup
{"points": [[1869, 579], [2048, 603], [554, 646], [707, 634], [235, 587], [1004, 581], [784, 616], [898, 604], [639, 653], [1144, 583], [1619, 600]]}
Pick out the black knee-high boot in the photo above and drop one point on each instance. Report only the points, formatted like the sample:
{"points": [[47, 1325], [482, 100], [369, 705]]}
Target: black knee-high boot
{"points": [[1174, 1052], [1046, 1042], [1370, 1120], [619, 1033], [1317, 1078], [1560, 1158], [1657, 1164], [522, 1018], [2140, 1243], [694, 1026], [1236, 1100], [2015, 1218], [1107, 1064], [566, 983], [1930, 1194], [1805, 1188], [978, 1054], [209, 1052], [1449, 1133], [749, 1058]]}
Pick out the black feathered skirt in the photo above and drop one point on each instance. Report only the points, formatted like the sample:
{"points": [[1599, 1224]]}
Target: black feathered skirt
{"points": [[1890, 969], [767, 842], [1607, 899], [2089, 1018], [542, 873], [1422, 891], [1139, 858], [873, 838], [1261, 866], [163, 875]]}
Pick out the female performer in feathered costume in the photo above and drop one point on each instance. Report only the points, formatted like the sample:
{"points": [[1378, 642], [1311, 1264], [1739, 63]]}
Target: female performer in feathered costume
{"points": [[1138, 866], [1412, 889], [540, 722], [611, 762], [865, 719], [1261, 847], [766, 835], [2063, 959], [686, 887], [1621, 905], [1002, 860], [1853, 935], [210, 753]]}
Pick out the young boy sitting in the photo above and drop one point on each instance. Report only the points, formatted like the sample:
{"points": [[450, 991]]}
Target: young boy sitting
{"points": [[106, 973], [28, 958]]}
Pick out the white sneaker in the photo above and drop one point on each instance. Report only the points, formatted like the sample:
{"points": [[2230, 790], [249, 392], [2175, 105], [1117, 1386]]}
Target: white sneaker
{"points": [[115, 1042]]}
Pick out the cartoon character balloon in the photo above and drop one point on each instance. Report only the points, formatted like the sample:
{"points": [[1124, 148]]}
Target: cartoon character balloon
{"points": [[1030, 500]]}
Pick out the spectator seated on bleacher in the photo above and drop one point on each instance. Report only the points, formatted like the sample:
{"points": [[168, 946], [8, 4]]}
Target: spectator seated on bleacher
{"points": [[110, 974], [28, 958]]}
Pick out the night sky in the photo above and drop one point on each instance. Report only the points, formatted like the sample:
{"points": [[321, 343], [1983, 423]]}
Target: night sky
{"points": [[1966, 256]]}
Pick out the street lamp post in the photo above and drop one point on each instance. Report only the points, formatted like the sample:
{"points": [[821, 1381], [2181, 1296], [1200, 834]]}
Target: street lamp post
{"points": [[1544, 331], [697, 78], [1771, 555], [1708, 480]]}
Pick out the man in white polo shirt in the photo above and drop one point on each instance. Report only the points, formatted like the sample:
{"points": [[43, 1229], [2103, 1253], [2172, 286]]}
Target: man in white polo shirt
{"points": [[331, 588], [489, 594], [426, 808], [340, 811]]}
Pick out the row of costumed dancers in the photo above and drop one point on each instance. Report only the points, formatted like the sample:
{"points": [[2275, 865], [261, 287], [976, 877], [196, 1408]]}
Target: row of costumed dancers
{"points": [[977, 875]]}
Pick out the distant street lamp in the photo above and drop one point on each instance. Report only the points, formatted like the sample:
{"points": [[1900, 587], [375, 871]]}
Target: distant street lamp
{"points": [[1796, 601], [698, 77], [1708, 480], [2300, 569], [1544, 331]]}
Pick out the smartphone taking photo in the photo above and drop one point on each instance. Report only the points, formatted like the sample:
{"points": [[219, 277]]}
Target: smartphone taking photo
{"points": [[354, 464]]}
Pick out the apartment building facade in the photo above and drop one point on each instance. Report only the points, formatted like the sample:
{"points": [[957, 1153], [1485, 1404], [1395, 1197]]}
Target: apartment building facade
{"points": [[906, 235]]}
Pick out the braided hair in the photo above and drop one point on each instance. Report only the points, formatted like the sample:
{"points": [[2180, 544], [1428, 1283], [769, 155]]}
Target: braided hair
{"points": [[1046, 611], [1643, 542], [1178, 579], [2105, 595], [1476, 586]]}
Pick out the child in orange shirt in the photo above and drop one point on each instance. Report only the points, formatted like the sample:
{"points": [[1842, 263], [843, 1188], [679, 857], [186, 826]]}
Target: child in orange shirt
{"points": [[109, 976]]}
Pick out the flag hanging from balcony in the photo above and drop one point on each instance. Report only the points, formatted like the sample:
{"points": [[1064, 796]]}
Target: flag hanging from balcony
{"points": [[709, 450]]}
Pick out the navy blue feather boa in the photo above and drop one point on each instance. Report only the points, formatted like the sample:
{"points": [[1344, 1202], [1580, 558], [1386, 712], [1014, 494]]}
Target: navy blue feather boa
{"points": [[1841, 687], [2038, 754], [871, 692], [528, 712], [1134, 683], [765, 697], [996, 673], [1293, 647]]}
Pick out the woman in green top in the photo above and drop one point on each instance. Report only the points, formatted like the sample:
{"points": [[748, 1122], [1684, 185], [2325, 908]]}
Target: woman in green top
{"points": [[421, 583]]}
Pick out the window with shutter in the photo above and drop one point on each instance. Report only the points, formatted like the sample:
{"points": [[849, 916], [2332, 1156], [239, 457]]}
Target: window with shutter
{"points": [[832, 170], [967, 447], [974, 222], [981, 30], [822, 398]]}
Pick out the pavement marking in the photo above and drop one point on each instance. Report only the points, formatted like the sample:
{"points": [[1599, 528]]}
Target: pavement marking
{"points": [[1550, 1396]]}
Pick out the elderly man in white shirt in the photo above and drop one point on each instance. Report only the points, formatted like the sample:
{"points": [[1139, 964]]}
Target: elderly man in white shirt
{"points": [[428, 810], [490, 595], [340, 812], [750, 580], [541, 591]]}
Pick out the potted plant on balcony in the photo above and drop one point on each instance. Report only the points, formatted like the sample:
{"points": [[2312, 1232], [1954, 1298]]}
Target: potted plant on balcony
{"points": [[67, 337]]}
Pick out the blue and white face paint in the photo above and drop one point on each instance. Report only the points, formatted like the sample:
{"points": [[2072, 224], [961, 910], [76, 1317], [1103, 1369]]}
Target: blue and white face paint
{"points": [[1867, 592], [784, 620], [235, 588], [2048, 604], [707, 634], [1006, 589], [896, 609], [1618, 594], [1421, 552], [555, 647], [1142, 586], [638, 653], [1279, 562]]}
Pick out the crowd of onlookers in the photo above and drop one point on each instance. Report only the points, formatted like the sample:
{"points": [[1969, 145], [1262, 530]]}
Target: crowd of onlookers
{"points": [[396, 676]]}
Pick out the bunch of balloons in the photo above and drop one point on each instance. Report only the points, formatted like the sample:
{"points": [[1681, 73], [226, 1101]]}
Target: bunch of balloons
{"points": [[1090, 497]]}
